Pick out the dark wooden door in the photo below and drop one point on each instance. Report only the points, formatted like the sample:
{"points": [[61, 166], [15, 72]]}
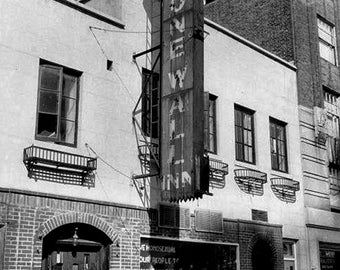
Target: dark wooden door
{"points": [[77, 258]]}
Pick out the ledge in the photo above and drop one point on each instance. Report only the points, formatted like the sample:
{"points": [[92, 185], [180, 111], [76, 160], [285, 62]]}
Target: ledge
{"points": [[57, 166], [285, 188], [250, 181], [93, 13]]}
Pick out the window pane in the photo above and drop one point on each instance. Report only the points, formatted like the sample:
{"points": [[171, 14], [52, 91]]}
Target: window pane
{"points": [[239, 151], [282, 148], [68, 109], [249, 154], [47, 125], [326, 36], [274, 162], [272, 130], [212, 143], [70, 86], [273, 145], [49, 78], [280, 132], [247, 121], [327, 52], [67, 131], [239, 135], [211, 125], [48, 102], [248, 140], [238, 118], [289, 265], [288, 249]]}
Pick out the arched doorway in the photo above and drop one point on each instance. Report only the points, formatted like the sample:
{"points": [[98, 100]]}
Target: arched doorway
{"points": [[76, 246], [262, 256]]}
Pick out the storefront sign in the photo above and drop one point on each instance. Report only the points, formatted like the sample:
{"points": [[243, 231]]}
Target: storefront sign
{"points": [[166, 254], [329, 259], [183, 164]]}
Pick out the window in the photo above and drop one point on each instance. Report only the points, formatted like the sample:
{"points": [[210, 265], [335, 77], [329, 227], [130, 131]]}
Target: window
{"points": [[57, 104], [327, 41], [331, 105], [150, 103], [329, 255], [289, 255], [244, 134], [210, 125], [278, 145]]}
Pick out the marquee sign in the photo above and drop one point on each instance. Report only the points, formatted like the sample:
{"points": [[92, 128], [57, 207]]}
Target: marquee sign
{"points": [[184, 169]]}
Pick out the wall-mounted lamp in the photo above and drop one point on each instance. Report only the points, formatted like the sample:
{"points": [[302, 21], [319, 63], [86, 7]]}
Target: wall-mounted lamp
{"points": [[75, 237]]}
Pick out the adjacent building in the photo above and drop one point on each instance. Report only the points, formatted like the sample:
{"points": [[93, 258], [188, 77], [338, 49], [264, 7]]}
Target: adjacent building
{"points": [[305, 33], [79, 180]]}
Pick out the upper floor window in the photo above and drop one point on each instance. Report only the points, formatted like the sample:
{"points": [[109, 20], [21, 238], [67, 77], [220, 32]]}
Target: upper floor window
{"points": [[150, 103], [331, 105], [57, 104], [278, 145], [327, 41], [210, 125], [244, 134]]}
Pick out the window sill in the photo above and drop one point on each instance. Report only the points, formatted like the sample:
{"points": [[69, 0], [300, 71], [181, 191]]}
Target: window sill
{"points": [[93, 13]]}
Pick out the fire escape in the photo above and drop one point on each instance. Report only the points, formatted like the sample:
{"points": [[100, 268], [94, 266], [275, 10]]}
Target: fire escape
{"points": [[145, 119]]}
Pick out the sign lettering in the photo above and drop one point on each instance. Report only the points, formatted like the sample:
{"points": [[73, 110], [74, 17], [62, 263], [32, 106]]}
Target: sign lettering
{"points": [[182, 100]]}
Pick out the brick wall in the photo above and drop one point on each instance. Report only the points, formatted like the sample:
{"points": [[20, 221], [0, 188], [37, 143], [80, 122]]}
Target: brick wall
{"points": [[30, 217], [288, 29], [257, 21]]}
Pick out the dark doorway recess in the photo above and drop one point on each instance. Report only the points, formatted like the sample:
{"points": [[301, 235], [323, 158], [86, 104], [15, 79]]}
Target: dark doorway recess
{"points": [[262, 256], [76, 246]]}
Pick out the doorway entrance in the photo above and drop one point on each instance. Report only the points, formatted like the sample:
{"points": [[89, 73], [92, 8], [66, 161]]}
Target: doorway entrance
{"points": [[76, 246], [262, 256]]}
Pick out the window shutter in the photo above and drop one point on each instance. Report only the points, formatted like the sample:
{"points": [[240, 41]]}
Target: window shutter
{"points": [[216, 221], [259, 215], [202, 220], [167, 216], [49, 103], [206, 121], [208, 221], [184, 218], [172, 216]]}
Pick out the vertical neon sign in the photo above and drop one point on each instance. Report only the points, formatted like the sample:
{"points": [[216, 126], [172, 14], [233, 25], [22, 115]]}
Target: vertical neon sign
{"points": [[183, 167]]}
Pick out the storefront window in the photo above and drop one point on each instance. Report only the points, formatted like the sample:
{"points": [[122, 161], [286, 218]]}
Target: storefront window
{"points": [[158, 253], [329, 256]]}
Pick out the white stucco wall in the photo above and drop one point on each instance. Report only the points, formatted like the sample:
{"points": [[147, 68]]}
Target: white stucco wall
{"points": [[52, 31], [238, 74]]}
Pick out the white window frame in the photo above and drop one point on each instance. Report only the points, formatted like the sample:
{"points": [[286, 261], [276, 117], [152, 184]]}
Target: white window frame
{"points": [[331, 42], [294, 258]]}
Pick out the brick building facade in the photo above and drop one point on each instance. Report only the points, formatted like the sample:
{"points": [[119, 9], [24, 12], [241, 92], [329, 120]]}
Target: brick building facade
{"points": [[70, 196], [306, 33]]}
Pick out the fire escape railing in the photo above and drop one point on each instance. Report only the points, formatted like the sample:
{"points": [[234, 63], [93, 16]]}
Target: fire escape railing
{"points": [[250, 181], [148, 149], [217, 172], [285, 189], [57, 166]]}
